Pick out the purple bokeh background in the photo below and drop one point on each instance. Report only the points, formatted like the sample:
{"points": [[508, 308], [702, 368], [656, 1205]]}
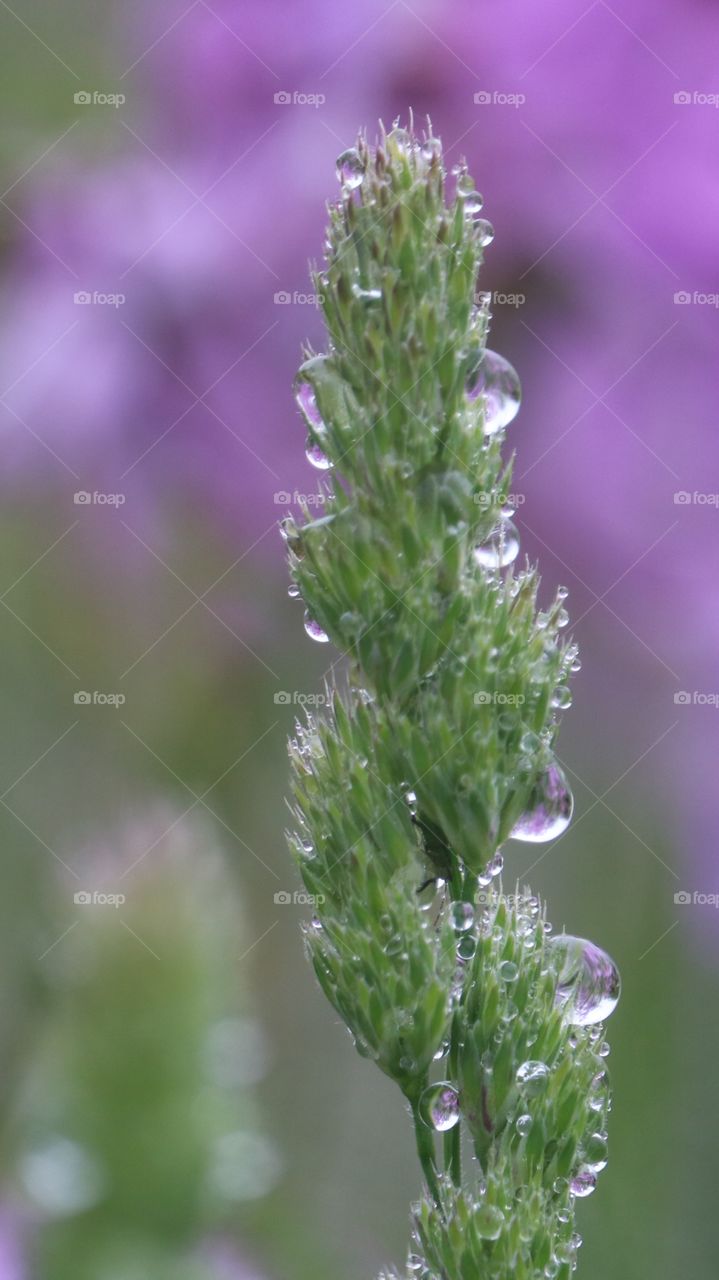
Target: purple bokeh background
{"points": [[207, 202]]}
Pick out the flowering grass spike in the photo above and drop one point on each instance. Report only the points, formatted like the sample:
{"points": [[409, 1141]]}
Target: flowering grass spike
{"points": [[443, 748]]}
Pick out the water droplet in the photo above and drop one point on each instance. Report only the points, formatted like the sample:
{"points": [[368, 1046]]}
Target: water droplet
{"points": [[595, 1153], [562, 697], [350, 169], [484, 231], [583, 1183], [293, 591], [495, 865], [314, 630], [466, 947], [439, 1107], [549, 810], [497, 382], [588, 983], [316, 457], [307, 401], [508, 971], [368, 296], [489, 1221], [442, 1051], [524, 1124], [462, 914], [500, 549], [532, 1076]]}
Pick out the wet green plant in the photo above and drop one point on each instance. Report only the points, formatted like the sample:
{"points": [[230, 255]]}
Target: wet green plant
{"points": [[443, 747]]}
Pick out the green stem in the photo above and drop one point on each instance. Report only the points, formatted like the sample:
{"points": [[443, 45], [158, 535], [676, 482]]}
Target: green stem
{"points": [[425, 1151]]}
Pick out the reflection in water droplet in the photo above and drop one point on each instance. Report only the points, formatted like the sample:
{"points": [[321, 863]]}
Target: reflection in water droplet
{"points": [[307, 401], [495, 379], [484, 232], [588, 983], [549, 810], [439, 1107], [583, 1183], [462, 914], [350, 169], [595, 1153], [532, 1076], [500, 549], [489, 1221], [316, 457], [314, 630]]}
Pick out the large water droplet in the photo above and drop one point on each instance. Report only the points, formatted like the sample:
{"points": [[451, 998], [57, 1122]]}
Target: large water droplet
{"points": [[489, 1221], [500, 549], [316, 457], [439, 1107], [484, 232], [307, 401], [532, 1076], [524, 1124], [495, 379], [314, 630], [588, 983], [549, 811], [350, 169], [595, 1153]]}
